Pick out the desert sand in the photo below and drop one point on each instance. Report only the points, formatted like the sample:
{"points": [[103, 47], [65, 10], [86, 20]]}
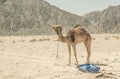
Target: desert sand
{"points": [[34, 57]]}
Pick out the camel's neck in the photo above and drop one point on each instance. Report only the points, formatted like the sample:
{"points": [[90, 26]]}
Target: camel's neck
{"points": [[61, 37]]}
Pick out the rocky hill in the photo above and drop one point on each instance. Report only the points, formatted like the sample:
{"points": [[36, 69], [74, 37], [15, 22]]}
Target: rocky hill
{"points": [[106, 21], [34, 17]]}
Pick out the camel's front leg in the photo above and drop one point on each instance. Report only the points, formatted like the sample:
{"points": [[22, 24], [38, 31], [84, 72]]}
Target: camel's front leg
{"points": [[75, 54], [87, 44], [69, 49], [88, 55]]}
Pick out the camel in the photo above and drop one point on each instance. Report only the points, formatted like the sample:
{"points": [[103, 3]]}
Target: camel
{"points": [[73, 37]]}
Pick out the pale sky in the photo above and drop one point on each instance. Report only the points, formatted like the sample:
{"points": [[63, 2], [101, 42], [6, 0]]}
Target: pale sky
{"points": [[82, 7]]}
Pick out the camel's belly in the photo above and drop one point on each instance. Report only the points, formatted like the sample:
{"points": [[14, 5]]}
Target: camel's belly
{"points": [[79, 40]]}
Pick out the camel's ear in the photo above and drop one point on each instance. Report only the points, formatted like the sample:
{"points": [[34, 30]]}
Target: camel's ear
{"points": [[61, 26], [52, 27]]}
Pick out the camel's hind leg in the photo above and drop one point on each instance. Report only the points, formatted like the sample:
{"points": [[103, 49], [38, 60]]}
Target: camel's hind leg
{"points": [[87, 44]]}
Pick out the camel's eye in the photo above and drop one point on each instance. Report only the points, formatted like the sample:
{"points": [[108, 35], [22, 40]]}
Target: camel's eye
{"points": [[60, 28]]}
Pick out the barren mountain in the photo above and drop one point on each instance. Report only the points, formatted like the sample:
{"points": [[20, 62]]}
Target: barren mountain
{"points": [[106, 21], [34, 17]]}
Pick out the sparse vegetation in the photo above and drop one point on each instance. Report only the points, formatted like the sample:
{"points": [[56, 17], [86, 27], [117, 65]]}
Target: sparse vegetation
{"points": [[22, 40], [13, 41], [116, 37], [1, 41], [33, 40], [40, 39], [106, 38], [18, 56], [2, 49], [45, 39]]}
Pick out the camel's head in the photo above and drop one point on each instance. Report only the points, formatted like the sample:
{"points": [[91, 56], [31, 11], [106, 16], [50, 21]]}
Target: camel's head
{"points": [[57, 29]]}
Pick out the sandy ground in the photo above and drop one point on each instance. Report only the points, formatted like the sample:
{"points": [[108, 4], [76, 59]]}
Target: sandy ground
{"points": [[31, 57]]}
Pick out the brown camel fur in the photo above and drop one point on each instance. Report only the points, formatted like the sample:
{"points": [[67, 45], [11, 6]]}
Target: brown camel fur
{"points": [[72, 38]]}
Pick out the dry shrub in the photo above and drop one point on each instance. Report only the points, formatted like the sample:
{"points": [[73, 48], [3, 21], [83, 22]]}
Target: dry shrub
{"points": [[106, 38], [13, 41], [45, 39], [2, 49], [22, 40], [40, 39], [116, 37], [33, 40], [1, 41]]}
